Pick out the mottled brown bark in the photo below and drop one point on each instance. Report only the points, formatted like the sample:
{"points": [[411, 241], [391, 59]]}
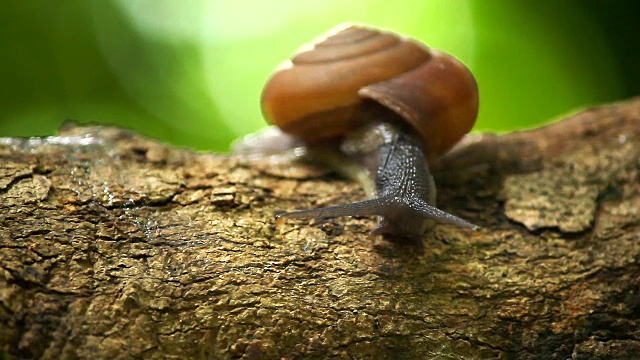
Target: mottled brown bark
{"points": [[115, 246]]}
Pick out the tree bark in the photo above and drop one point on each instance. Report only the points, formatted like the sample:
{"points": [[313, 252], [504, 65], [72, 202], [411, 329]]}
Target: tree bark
{"points": [[115, 246]]}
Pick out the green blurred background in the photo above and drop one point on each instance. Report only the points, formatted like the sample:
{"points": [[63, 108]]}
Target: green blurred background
{"points": [[190, 72]]}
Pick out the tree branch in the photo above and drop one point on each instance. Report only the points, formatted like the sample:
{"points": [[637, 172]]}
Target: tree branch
{"points": [[113, 245]]}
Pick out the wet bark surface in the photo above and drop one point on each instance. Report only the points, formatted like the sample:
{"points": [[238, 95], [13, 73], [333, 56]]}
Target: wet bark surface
{"points": [[115, 246]]}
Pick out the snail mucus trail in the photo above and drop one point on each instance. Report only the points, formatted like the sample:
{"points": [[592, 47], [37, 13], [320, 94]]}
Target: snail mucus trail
{"points": [[377, 107]]}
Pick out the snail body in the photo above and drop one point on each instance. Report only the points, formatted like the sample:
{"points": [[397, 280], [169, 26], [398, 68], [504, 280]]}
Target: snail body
{"points": [[383, 101]]}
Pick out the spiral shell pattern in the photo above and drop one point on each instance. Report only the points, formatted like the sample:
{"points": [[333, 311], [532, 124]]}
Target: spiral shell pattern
{"points": [[330, 85]]}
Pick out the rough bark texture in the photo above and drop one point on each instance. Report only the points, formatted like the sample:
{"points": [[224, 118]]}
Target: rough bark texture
{"points": [[115, 246]]}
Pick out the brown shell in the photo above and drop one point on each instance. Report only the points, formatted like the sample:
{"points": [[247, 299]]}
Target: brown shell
{"points": [[321, 92]]}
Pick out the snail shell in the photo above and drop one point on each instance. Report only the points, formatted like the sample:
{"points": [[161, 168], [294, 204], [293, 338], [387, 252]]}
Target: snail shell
{"points": [[342, 79]]}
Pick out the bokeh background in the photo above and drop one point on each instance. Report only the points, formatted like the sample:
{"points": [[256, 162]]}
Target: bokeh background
{"points": [[190, 72]]}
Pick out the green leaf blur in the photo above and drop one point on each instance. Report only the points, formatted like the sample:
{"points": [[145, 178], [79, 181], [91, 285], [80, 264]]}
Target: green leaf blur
{"points": [[190, 72]]}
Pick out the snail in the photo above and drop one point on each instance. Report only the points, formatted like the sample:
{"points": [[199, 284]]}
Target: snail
{"points": [[386, 103]]}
